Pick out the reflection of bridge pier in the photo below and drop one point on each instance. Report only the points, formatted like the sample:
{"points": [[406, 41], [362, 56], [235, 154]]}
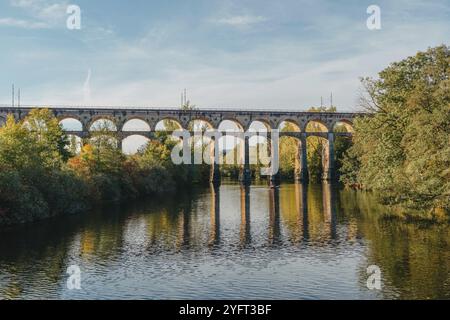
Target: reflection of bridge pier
{"points": [[245, 236], [214, 235], [274, 216], [329, 207], [184, 227], [301, 197]]}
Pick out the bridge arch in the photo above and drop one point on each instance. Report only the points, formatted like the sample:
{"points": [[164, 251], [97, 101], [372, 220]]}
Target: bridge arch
{"points": [[136, 124], [71, 124], [102, 123], [199, 123], [292, 125], [317, 125], [289, 120], [134, 143], [259, 150], [234, 122], [168, 124], [200, 119], [343, 124], [231, 146], [260, 124]]}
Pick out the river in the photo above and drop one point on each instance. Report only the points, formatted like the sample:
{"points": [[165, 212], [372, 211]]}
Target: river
{"points": [[295, 242]]}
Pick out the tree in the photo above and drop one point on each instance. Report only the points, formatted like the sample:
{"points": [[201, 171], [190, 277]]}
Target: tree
{"points": [[402, 151]]}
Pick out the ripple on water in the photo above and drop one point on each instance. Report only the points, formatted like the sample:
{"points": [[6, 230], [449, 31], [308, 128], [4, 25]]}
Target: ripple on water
{"points": [[265, 249]]}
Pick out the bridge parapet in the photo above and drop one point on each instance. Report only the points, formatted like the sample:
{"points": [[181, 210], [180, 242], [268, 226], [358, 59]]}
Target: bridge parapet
{"points": [[243, 118]]}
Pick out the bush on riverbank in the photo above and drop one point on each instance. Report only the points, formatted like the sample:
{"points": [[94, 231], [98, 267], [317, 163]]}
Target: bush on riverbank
{"points": [[40, 178]]}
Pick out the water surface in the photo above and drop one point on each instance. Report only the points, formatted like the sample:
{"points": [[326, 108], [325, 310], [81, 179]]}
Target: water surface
{"points": [[296, 242]]}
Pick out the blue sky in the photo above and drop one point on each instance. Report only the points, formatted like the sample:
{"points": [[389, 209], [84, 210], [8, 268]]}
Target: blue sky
{"points": [[246, 54]]}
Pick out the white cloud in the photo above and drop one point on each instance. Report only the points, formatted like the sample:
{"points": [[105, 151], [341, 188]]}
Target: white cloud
{"points": [[44, 14], [26, 24], [24, 3], [239, 21]]}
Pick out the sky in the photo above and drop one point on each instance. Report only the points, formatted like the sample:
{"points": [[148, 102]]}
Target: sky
{"points": [[230, 53]]}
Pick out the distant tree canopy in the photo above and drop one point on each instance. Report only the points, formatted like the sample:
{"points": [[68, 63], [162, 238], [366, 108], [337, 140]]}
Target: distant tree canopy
{"points": [[402, 151]]}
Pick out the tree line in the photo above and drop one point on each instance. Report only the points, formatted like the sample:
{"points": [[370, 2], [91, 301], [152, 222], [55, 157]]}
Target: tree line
{"points": [[41, 175]]}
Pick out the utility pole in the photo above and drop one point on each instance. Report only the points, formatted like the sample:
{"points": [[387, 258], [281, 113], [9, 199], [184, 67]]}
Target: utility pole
{"points": [[12, 104], [331, 99], [18, 98]]}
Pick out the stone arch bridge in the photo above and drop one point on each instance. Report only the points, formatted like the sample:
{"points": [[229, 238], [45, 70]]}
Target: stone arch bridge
{"points": [[243, 119]]}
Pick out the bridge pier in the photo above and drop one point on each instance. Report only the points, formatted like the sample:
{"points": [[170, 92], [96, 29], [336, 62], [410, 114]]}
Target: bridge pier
{"points": [[214, 175], [245, 175], [274, 152]]}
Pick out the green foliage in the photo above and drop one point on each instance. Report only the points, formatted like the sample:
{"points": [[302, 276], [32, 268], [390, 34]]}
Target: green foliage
{"points": [[40, 177], [402, 151], [33, 184]]}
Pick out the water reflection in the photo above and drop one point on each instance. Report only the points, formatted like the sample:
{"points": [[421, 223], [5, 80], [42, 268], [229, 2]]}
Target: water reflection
{"points": [[245, 235], [214, 237], [274, 217], [231, 241]]}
